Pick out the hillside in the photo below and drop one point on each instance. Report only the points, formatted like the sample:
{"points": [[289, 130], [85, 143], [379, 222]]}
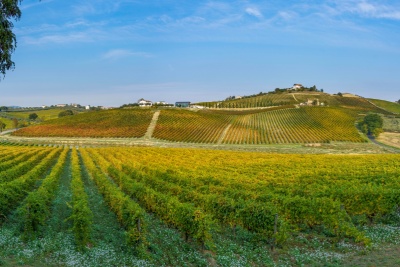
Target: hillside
{"points": [[263, 126], [389, 106], [296, 98], [105, 123], [333, 120]]}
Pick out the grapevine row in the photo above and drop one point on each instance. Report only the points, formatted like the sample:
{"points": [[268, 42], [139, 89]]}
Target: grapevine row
{"points": [[193, 222], [36, 206], [81, 214], [128, 212], [11, 193]]}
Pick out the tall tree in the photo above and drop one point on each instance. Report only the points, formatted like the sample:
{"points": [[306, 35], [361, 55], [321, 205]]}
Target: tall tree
{"points": [[9, 11]]}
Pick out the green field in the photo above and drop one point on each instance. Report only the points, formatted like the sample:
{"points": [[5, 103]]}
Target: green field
{"points": [[155, 207], [43, 114]]}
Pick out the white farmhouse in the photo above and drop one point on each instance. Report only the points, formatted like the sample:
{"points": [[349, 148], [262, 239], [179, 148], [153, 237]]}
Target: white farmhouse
{"points": [[297, 86], [144, 103]]}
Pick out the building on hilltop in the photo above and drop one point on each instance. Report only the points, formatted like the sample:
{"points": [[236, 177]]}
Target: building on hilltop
{"points": [[297, 86], [182, 104], [144, 103]]}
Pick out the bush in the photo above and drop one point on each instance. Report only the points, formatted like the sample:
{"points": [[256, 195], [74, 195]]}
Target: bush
{"points": [[64, 113]]}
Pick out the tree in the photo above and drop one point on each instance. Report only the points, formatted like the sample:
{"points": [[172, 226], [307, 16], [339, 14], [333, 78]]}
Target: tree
{"points": [[2, 126], [372, 124], [339, 94], [9, 10], [33, 116], [3, 108], [64, 113], [398, 101]]}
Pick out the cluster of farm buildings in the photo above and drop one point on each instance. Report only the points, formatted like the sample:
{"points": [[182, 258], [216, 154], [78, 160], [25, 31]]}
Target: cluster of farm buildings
{"points": [[147, 103]]}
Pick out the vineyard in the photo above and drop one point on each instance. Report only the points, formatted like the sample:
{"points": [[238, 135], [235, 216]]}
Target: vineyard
{"points": [[306, 125], [107, 123], [295, 98], [278, 125], [127, 200], [187, 126]]}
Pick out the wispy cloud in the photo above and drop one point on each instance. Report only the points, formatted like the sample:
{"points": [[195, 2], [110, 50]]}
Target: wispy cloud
{"points": [[27, 6], [59, 38], [369, 9], [252, 11], [123, 53]]}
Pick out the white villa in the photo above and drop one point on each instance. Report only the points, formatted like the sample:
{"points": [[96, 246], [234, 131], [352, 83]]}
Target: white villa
{"points": [[297, 86], [144, 103]]}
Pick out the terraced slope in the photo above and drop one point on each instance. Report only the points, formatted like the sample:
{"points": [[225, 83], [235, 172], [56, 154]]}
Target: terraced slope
{"points": [[107, 123]]}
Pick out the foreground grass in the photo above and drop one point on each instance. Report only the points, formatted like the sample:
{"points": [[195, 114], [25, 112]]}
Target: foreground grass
{"points": [[168, 249]]}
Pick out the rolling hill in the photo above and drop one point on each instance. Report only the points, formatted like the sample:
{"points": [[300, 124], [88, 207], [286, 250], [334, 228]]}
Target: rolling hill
{"points": [[295, 122]]}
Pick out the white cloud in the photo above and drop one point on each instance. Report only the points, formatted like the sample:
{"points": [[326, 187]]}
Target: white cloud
{"points": [[252, 11], [287, 15], [59, 38], [369, 9], [123, 53], [27, 6]]}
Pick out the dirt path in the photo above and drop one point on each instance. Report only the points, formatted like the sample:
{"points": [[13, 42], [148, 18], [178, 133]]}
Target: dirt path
{"points": [[295, 98], [152, 125], [8, 131]]}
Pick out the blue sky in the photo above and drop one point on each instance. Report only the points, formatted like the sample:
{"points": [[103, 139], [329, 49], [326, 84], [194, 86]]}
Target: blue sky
{"points": [[103, 52]]}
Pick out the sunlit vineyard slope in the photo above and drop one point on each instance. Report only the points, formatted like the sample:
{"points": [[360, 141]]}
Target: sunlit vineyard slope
{"points": [[109, 123]]}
